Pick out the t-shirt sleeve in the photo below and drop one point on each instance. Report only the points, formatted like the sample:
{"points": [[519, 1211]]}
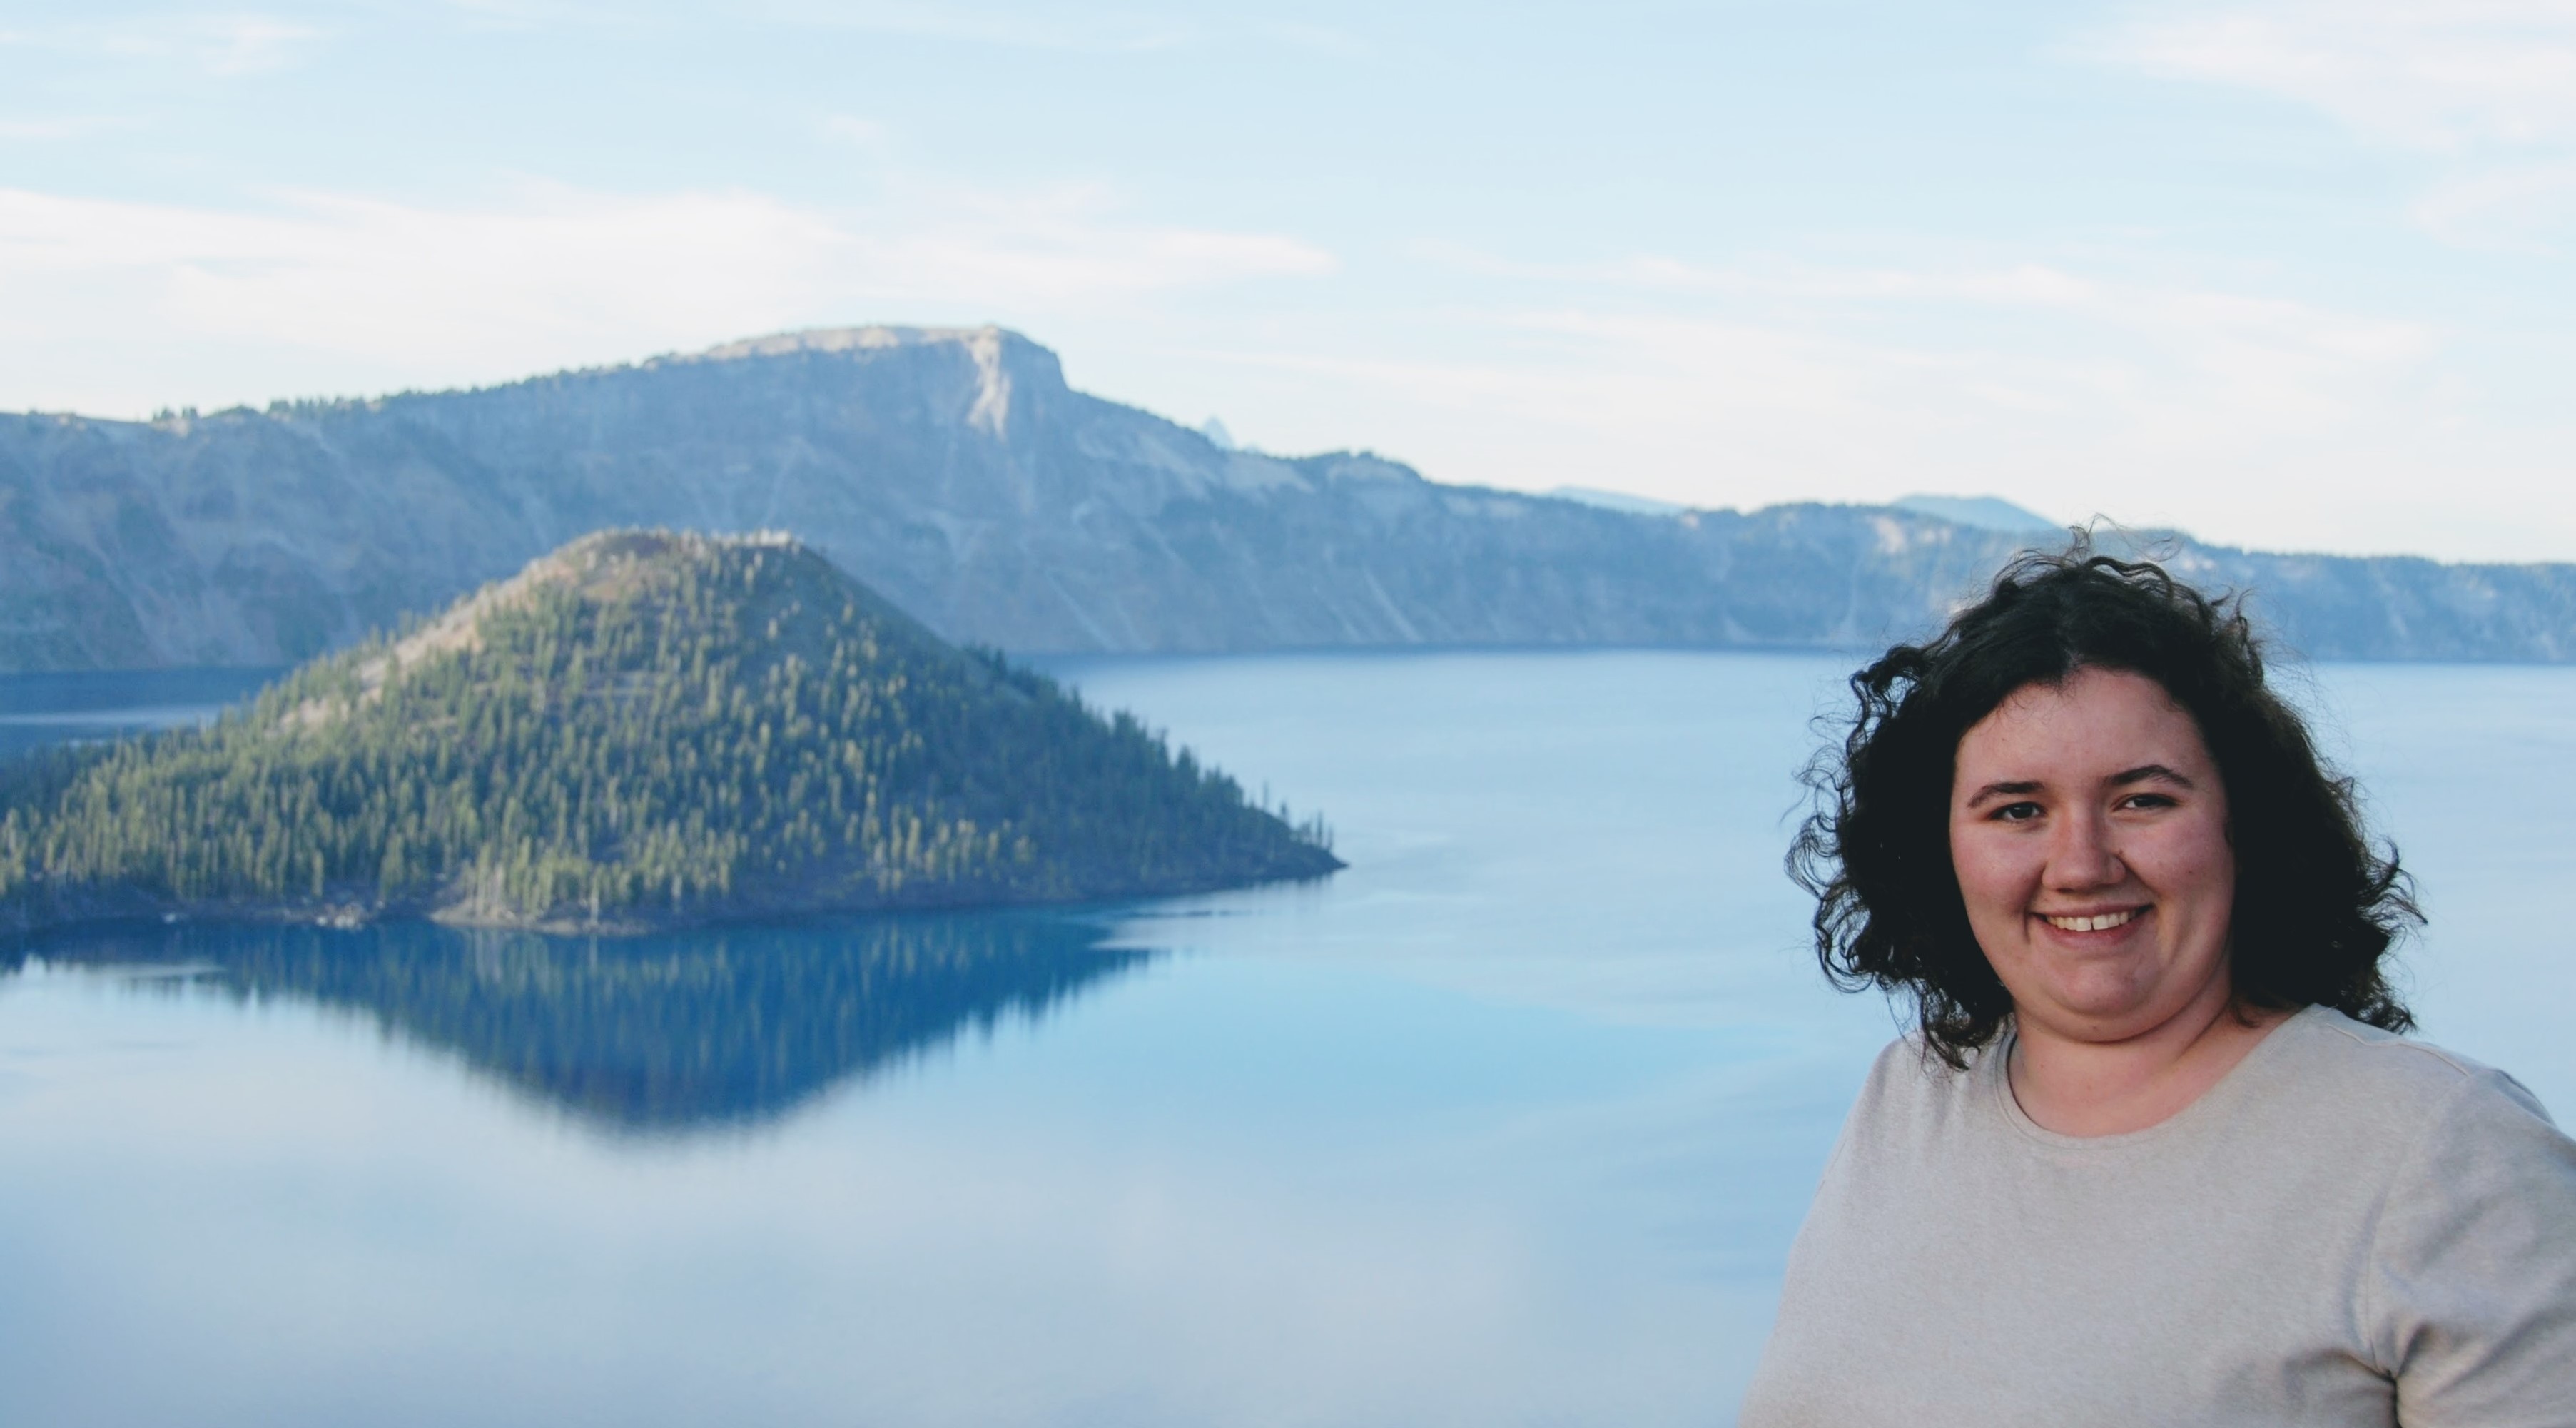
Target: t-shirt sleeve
{"points": [[2470, 1296]]}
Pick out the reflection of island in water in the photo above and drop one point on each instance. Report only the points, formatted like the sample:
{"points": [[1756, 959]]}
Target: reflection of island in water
{"points": [[652, 1034]]}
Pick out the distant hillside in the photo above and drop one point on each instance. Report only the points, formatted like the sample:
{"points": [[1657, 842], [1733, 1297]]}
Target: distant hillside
{"points": [[642, 729], [958, 474]]}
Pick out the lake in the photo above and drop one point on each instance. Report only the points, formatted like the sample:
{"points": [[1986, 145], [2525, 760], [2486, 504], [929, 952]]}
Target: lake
{"points": [[1509, 1123]]}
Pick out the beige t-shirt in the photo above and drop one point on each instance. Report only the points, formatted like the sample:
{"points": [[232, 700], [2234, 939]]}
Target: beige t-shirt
{"points": [[2351, 1228]]}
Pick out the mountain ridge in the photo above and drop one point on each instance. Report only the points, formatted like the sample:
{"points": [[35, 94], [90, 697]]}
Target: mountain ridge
{"points": [[955, 471]]}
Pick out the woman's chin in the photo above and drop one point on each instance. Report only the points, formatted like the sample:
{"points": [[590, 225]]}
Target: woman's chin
{"points": [[2100, 1002], [2104, 1013]]}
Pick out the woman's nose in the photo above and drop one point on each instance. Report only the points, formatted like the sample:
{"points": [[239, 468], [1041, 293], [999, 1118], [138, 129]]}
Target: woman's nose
{"points": [[2082, 855]]}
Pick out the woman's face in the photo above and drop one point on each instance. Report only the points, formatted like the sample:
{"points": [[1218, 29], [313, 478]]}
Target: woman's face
{"points": [[2089, 830]]}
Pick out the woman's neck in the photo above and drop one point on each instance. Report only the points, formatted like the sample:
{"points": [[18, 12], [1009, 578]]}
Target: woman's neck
{"points": [[2075, 1086]]}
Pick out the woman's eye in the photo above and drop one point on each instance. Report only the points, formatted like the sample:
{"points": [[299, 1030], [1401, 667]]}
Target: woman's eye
{"points": [[2147, 800], [2016, 813]]}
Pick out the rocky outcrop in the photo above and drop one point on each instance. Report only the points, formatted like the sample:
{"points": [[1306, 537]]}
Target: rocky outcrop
{"points": [[957, 473]]}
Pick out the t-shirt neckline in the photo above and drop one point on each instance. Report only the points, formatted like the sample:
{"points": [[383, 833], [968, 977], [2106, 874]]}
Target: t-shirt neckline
{"points": [[1995, 1067]]}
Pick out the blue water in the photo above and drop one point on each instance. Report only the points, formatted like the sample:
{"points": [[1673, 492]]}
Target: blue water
{"points": [[84, 706], [1511, 1122]]}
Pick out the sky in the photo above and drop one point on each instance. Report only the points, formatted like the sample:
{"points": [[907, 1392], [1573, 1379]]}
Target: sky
{"points": [[2283, 274]]}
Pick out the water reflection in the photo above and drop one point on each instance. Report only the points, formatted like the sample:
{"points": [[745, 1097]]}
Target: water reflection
{"points": [[653, 1035]]}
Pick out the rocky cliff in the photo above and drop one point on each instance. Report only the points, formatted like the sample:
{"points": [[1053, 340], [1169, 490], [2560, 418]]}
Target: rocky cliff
{"points": [[957, 473]]}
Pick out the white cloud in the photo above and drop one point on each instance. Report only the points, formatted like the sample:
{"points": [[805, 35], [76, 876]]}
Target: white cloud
{"points": [[853, 130], [2514, 208], [2484, 88], [1080, 29], [226, 46], [412, 295], [62, 127], [1324, 40], [2443, 75], [2237, 414], [2231, 336], [243, 44], [524, 14], [2264, 354]]}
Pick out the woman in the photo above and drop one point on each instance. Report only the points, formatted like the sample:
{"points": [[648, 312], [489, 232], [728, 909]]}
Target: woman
{"points": [[2156, 1153]]}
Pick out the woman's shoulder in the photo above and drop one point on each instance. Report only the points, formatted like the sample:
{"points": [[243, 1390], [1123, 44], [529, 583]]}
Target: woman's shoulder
{"points": [[2470, 1293], [1910, 1084], [2322, 1053]]}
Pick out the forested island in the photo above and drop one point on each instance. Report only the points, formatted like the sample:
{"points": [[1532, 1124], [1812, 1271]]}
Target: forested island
{"points": [[644, 729]]}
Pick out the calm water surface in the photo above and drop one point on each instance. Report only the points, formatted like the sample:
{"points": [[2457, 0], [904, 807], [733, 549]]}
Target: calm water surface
{"points": [[85, 705], [1511, 1122]]}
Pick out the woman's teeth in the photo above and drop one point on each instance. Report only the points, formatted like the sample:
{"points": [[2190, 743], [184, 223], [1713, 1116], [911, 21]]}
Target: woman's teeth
{"points": [[2101, 922]]}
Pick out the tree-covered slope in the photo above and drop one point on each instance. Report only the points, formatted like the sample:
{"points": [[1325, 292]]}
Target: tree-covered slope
{"points": [[642, 728]]}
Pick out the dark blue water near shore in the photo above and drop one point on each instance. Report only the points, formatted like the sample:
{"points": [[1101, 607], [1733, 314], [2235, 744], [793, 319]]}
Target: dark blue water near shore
{"points": [[1511, 1122], [85, 705]]}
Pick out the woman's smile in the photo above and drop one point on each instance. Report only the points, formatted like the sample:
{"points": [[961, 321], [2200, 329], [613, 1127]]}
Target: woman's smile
{"points": [[2090, 922]]}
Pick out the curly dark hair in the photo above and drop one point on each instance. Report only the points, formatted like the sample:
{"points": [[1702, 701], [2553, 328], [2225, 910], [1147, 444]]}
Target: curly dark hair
{"points": [[2316, 908]]}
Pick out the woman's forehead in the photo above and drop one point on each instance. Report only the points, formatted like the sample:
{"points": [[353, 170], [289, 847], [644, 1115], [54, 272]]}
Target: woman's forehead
{"points": [[2106, 713]]}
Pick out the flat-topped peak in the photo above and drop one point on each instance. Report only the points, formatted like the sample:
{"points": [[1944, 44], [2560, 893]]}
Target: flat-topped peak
{"points": [[1000, 363], [871, 338]]}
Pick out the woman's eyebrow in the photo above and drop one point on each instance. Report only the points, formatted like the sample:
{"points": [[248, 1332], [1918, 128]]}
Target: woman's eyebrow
{"points": [[2013, 788], [2144, 772]]}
